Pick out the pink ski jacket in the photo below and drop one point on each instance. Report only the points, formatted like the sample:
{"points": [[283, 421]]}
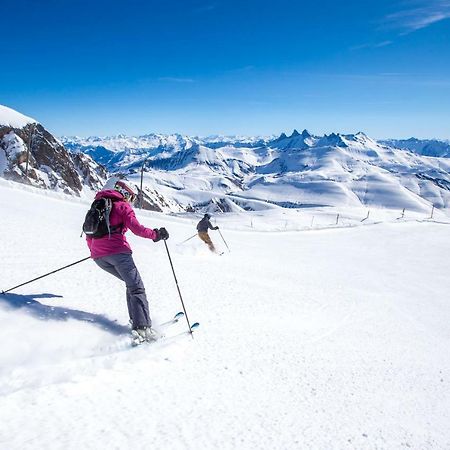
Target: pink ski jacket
{"points": [[122, 216]]}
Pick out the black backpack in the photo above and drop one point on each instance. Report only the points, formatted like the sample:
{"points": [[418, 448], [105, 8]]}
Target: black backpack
{"points": [[96, 222]]}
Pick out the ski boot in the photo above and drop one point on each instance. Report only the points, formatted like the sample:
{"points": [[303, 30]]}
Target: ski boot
{"points": [[143, 334]]}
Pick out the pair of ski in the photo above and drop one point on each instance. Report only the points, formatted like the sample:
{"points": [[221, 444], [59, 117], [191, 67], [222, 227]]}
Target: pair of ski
{"points": [[164, 326]]}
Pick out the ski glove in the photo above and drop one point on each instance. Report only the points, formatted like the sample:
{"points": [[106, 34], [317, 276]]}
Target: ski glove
{"points": [[215, 228], [161, 233]]}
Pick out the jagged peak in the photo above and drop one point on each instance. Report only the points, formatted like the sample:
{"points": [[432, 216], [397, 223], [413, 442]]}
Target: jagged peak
{"points": [[361, 136], [295, 133], [281, 137], [333, 139], [305, 133]]}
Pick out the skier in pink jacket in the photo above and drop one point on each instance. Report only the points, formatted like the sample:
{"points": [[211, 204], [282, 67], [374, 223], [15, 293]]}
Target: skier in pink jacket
{"points": [[113, 254]]}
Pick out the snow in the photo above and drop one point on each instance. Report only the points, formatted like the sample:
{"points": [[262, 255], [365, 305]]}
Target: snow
{"points": [[334, 169], [13, 119], [324, 337], [427, 147]]}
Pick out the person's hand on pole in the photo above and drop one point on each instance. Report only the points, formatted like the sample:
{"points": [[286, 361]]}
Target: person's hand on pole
{"points": [[161, 233]]}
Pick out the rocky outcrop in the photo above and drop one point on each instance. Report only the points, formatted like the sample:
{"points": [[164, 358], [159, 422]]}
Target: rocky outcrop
{"points": [[32, 155], [92, 174]]}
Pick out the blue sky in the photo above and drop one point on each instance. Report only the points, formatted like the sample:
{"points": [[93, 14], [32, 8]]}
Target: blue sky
{"points": [[229, 67]]}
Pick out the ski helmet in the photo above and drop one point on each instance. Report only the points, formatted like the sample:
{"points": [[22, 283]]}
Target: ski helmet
{"points": [[207, 216], [110, 183], [126, 190]]}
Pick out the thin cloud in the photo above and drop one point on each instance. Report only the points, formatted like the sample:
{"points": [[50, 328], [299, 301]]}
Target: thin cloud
{"points": [[383, 44], [176, 80], [376, 45], [422, 15]]}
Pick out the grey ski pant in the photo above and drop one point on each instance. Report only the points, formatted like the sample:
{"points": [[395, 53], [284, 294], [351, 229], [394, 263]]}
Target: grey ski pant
{"points": [[122, 266]]}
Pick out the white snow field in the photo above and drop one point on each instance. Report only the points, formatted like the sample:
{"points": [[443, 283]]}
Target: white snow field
{"points": [[12, 118], [330, 338]]}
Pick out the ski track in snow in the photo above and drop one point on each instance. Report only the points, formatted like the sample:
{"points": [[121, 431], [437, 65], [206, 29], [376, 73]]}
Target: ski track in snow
{"points": [[328, 339]]}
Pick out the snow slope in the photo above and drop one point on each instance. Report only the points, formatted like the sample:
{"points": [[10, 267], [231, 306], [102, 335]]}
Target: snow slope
{"points": [[325, 338], [11, 118]]}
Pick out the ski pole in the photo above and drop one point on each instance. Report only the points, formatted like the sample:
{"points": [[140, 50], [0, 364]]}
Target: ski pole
{"points": [[178, 288], [47, 274], [188, 239], [224, 241]]}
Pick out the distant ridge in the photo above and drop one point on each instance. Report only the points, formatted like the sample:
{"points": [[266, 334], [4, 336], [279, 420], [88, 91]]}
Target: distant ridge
{"points": [[298, 170]]}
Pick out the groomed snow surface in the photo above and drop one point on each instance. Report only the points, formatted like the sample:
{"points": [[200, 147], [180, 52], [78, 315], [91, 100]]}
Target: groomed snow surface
{"points": [[330, 338]]}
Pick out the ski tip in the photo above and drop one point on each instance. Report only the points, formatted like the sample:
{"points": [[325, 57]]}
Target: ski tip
{"points": [[195, 325]]}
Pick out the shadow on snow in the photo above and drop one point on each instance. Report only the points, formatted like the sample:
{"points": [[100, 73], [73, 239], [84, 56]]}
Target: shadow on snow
{"points": [[29, 304]]}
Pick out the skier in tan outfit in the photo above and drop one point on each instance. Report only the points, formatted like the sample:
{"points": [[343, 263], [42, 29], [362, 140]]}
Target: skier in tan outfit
{"points": [[202, 228]]}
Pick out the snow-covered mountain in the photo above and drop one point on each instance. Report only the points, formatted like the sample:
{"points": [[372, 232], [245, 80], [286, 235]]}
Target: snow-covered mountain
{"points": [[425, 147], [300, 170], [128, 153], [50, 165], [219, 173]]}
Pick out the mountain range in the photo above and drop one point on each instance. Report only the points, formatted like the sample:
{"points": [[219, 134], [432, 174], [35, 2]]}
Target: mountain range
{"points": [[233, 173], [300, 170]]}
